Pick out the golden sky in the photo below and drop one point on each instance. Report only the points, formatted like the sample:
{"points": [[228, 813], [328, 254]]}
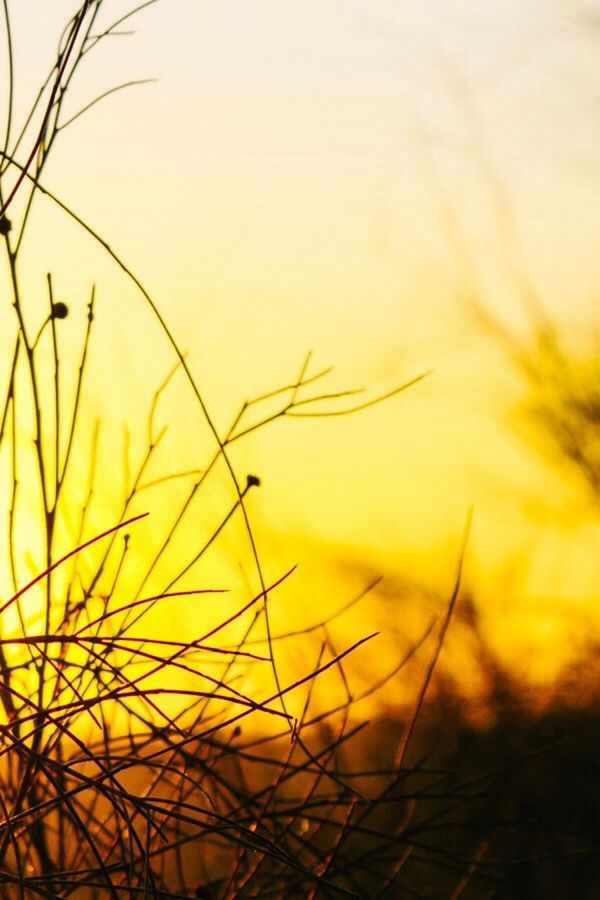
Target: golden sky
{"points": [[285, 186]]}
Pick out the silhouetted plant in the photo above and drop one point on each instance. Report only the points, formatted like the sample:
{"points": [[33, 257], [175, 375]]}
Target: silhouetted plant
{"points": [[124, 770], [146, 763]]}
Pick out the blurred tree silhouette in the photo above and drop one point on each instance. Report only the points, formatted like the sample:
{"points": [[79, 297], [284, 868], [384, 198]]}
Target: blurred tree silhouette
{"points": [[565, 402]]}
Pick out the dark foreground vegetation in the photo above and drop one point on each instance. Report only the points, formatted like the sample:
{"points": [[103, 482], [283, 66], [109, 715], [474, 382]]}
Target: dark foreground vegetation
{"points": [[138, 760], [515, 806]]}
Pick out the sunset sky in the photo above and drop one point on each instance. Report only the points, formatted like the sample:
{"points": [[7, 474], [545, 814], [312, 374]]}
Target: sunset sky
{"points": [[293, 181]]}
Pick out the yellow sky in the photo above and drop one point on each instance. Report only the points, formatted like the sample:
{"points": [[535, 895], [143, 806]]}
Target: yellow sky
{"points": [[282, 188]]}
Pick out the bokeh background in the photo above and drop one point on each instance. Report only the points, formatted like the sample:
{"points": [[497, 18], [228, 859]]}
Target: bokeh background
{"points": [[398, 188]]}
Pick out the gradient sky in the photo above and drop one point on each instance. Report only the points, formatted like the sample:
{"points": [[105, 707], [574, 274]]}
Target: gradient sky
{"points": [[282, 187]]}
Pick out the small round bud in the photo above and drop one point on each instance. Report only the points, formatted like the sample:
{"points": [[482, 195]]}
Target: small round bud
{"points": [[5, 225], [252, 481], [60, 310]]}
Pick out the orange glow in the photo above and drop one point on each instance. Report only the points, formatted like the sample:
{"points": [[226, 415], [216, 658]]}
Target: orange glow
{"points": [[285, 186]]}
